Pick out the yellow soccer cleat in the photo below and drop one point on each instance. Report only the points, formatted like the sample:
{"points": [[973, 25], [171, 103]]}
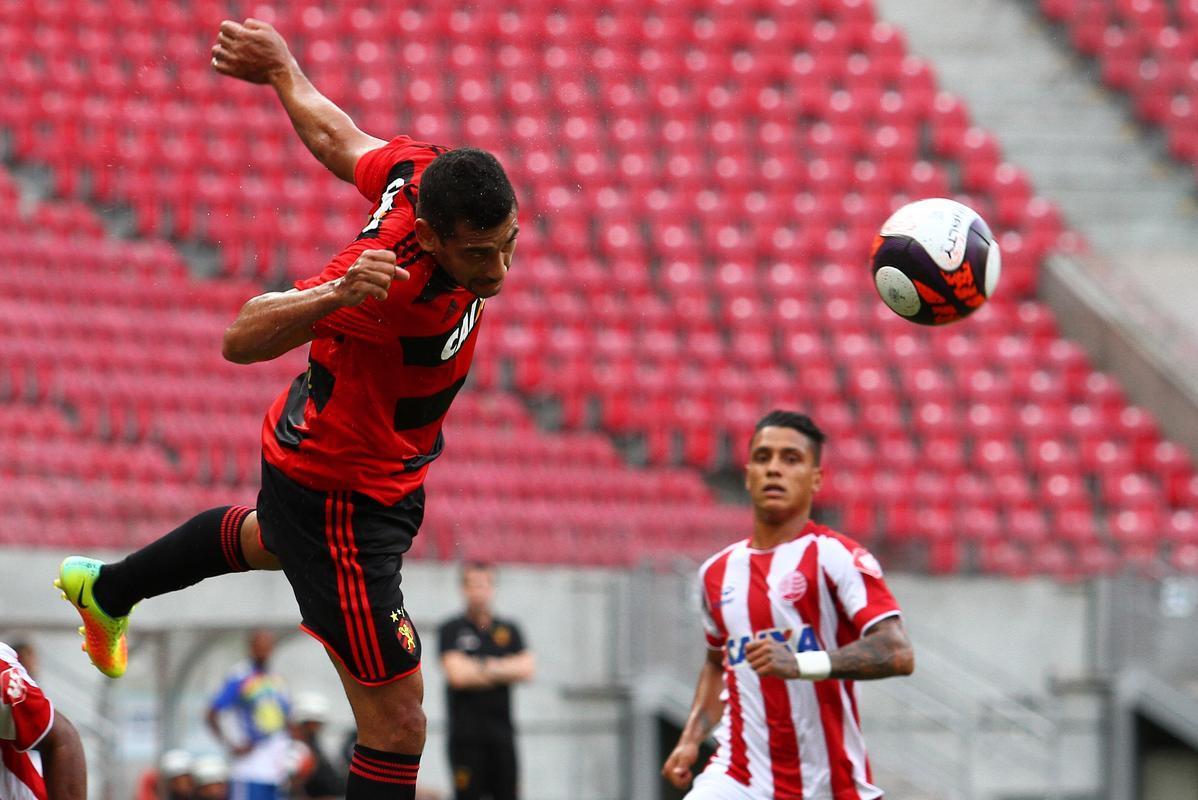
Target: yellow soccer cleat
{"points": [[103, 636]]}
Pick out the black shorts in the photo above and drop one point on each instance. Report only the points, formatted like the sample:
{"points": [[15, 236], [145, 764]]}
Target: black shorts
{"points": [[483, 770], [342, 552]]}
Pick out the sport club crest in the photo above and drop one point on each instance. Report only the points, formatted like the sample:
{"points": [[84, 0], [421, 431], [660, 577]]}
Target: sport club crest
{"points": [[13, 687], [502, 635], [406, 635], [792, 586], [866, 564]]}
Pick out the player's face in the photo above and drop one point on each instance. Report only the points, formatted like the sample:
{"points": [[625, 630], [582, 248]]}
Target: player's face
{"points": [[478, 587], [478, 259], [782, 475]]}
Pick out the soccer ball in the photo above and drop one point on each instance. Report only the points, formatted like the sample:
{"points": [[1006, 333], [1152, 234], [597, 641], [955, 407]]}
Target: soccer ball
{"points": [[935, 261]]}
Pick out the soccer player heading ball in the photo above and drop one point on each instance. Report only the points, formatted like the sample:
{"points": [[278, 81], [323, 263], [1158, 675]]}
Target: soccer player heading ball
{"points": [[392, 322], [793, 615]]}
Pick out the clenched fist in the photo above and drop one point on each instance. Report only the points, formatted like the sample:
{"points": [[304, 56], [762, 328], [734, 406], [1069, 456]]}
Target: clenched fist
{"points": [[771, 658], [677, 769], [252, 51], [370, 276]]}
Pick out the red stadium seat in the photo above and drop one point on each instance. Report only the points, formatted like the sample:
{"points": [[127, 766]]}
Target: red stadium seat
{"points": [[722, 279]]}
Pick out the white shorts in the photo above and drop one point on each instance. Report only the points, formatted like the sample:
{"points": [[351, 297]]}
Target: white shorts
{"points": [[718, 786]]}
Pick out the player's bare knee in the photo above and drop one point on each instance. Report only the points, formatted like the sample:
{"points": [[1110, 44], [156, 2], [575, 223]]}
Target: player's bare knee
{"points": [[256, 555], [397, 728], [408, 718]]}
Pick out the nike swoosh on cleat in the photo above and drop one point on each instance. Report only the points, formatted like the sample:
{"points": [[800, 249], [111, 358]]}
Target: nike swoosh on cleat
{"points": [[79, 602]]}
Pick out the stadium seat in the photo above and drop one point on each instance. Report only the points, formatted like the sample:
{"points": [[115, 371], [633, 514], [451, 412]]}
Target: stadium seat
{"points": [[720, 280]]}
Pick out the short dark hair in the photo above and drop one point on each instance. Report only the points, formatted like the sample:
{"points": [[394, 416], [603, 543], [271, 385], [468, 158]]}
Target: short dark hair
{"points": [[464, 185], [796, 421], [476, 565]]}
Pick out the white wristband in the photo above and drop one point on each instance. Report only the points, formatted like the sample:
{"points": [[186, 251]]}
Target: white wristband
{"points": [[814, 665]]}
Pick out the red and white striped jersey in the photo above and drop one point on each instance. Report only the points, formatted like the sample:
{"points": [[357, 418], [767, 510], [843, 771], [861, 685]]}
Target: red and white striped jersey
{"points": [[792, 740], [25, 718]]}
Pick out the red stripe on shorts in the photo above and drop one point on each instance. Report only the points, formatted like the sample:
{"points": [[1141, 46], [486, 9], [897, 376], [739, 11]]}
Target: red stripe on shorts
{"points": [[369, 633], [331, 515]]}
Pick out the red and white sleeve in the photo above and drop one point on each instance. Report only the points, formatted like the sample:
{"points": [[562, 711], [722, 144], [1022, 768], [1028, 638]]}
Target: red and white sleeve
{"points": [[26, 714], [859, 583], [712, 616]]}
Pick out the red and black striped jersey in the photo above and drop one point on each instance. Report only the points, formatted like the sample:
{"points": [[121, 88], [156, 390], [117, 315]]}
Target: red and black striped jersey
{"points": [[366, 416]]}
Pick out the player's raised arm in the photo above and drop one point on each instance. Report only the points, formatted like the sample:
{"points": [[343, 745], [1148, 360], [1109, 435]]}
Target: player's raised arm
{"points": [[706, 710], [254, 51]]}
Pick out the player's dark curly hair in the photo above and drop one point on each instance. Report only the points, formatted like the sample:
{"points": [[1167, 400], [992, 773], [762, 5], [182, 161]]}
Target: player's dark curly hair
{"points": [[464, 185], [799, 422]]}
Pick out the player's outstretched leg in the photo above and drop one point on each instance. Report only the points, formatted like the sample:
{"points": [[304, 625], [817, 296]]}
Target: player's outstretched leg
{"points": [[214, 542]]}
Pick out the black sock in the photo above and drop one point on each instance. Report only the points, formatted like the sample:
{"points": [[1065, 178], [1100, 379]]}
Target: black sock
{"points": [[206, 545], [378, 775]]}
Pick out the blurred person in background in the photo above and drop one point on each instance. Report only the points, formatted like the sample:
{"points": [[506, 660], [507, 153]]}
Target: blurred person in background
{"points": [[170, 780], [257, 740], [482, 655], [211, 775], [175, 780], [315, 775], [41, 756]]}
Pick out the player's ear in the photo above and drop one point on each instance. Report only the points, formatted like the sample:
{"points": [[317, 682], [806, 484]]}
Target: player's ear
{"points": [[430, 242], [818, 479]]}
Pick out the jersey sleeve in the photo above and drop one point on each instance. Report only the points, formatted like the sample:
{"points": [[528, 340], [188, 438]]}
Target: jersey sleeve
{"points": [[713, 631], [387, 177], [372, 169], [26, 714], [859, 585]]}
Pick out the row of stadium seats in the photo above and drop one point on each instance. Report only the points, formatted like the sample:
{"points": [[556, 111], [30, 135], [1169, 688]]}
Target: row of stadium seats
{"points": [[1147, 49], [834, 108], [697, 221], [118, 419]]}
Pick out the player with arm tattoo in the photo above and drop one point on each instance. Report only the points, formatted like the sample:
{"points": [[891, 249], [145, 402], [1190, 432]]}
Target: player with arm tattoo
{"points": [[793, 615]]}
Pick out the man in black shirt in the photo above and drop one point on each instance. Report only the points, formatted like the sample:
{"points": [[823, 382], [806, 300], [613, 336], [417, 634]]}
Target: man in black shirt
{"points": [[482, 655]]}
